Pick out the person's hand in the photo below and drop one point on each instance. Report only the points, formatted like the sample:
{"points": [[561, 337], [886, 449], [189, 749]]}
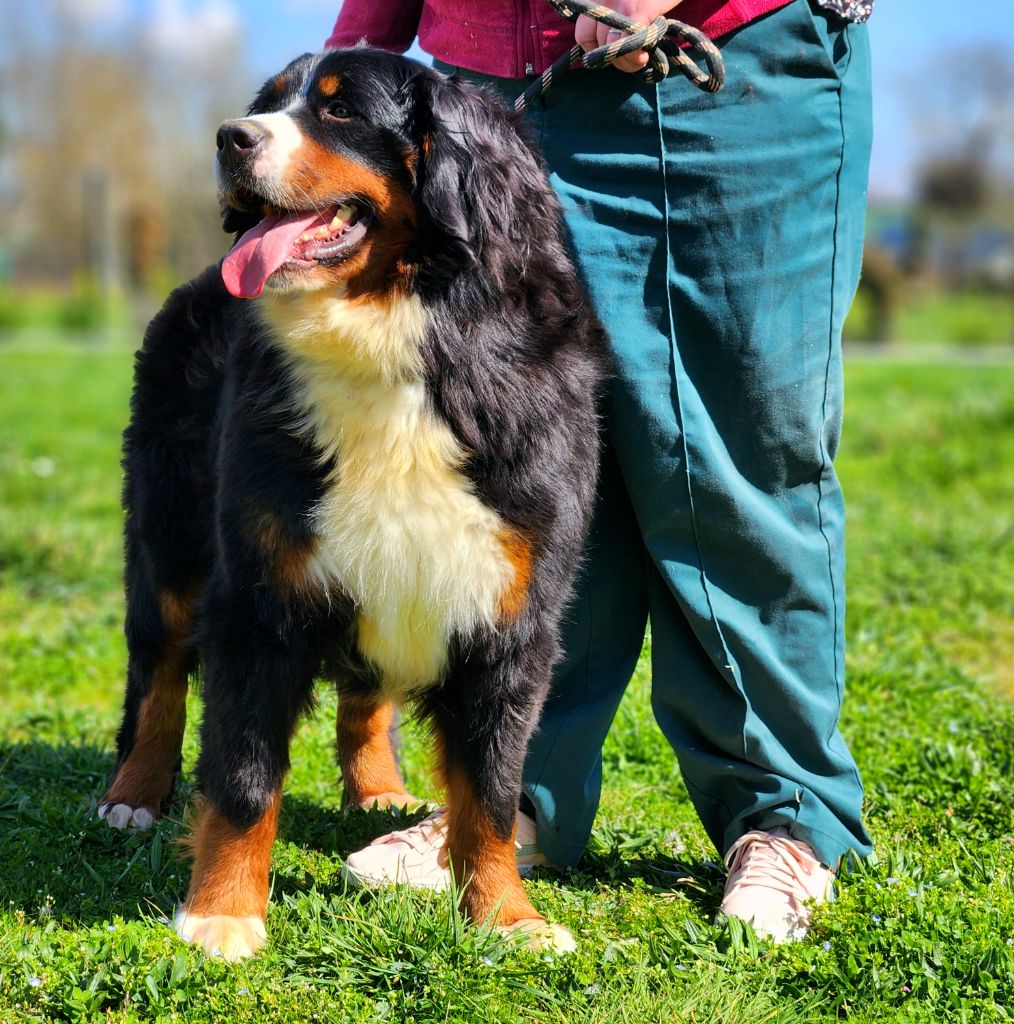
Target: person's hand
{"points": [[590, 34]]}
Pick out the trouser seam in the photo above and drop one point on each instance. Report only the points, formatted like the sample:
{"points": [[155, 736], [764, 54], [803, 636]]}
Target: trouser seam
{"points": [[826, 460], [730, 662]]}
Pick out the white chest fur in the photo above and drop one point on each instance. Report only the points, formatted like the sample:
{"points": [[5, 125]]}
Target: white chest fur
{"points": [[400, 529]]}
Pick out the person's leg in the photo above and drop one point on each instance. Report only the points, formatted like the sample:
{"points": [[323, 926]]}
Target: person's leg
{"points": [[727, 400], [603, 632], [764, 264]]}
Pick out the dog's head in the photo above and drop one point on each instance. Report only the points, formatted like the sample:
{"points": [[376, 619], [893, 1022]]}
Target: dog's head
{"points": [[353, 168]]}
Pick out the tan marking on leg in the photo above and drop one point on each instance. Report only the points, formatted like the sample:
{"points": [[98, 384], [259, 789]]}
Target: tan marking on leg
{"points": [[145, 777], [226, 905], [178, 613], [518, 552], [288, 559], [144, 780], [486, 863], [367, 761], [230, 873]]}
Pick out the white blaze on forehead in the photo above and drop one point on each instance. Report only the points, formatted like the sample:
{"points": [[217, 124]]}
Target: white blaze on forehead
{"points": [[273, 158]]}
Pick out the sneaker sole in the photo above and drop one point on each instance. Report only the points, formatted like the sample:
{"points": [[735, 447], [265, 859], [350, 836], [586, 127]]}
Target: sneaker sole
{"points": [[357, 881]]}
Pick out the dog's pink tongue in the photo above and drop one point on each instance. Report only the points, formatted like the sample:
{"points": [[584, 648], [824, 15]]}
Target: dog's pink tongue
{"points": [[262, 250]]}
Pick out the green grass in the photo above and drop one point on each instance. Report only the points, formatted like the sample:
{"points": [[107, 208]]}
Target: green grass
{"points": [[939, 318], [924, 932]]}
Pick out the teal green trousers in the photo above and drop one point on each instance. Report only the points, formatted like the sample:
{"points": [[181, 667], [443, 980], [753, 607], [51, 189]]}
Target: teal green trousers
{"points": [[720, 237]]}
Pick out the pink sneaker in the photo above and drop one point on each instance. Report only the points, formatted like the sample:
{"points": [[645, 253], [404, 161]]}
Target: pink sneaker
{"points": [[770, 879], [417, 856]]}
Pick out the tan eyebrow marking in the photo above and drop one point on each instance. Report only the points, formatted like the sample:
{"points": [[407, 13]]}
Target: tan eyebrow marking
{"points": [[329, 84]]}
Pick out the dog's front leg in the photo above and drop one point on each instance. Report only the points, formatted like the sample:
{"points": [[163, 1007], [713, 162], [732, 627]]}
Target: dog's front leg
{"points": [[257, 681], [484, 715]]}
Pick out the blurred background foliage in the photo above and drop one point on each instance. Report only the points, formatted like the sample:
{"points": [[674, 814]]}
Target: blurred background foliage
{"points": [[108, 109], [106, 178]]}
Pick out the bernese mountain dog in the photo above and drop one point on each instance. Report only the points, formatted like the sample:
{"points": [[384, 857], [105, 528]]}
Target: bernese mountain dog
{"points": [[380, 472]]}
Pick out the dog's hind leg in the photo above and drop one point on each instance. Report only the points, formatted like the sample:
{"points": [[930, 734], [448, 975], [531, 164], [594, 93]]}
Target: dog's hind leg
{"points": [[365, 752], [168, 529], [160, 657], [484, 715]]}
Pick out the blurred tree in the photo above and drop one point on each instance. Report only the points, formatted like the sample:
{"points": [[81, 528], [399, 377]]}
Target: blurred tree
{"points": [[125, 111], [955, 185], [965, 184]]}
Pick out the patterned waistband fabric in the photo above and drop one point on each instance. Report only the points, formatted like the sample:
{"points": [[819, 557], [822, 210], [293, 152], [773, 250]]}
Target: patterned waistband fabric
{"points": [[853, 10]]}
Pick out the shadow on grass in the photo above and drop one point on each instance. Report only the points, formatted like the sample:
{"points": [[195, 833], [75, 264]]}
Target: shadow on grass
{"points": [[62, 863], [614, 861], [701, 882]]}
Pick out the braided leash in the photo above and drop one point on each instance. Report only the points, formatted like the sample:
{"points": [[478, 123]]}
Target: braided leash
{"points": [[662, 39]]}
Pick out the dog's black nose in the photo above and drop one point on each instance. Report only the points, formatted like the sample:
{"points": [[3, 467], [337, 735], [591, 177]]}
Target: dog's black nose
{"points": [[236, 140]]}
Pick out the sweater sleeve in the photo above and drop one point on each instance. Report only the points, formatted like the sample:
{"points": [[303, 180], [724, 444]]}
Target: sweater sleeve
{"points": [[387, 25]]}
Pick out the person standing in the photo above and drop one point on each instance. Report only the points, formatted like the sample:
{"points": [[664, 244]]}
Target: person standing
{"points": [[720, 238]]}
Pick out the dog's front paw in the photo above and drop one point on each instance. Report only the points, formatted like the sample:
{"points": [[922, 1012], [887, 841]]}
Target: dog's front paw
{"points": [[540, 934], [232, 938], [124, 816]]}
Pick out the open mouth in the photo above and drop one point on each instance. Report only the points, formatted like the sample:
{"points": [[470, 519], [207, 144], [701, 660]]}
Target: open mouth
{"points": [[286, 240]]}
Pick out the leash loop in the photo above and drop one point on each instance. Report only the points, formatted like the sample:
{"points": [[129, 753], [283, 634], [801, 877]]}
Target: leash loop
{"points": [[665, 40]]}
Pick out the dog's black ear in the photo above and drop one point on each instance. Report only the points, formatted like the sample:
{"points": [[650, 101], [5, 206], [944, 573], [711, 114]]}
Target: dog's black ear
{"points": [[479, 183]]}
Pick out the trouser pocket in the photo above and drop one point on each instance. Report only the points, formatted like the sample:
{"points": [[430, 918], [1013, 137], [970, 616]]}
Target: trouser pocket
{"points": [[830, 32]]}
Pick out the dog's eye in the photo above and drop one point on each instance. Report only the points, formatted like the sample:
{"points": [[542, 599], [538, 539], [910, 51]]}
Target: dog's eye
{"points": [[338, 110]]}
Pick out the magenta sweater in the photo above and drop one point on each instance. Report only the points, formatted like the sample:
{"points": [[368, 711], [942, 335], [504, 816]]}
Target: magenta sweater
{"points": [[507, 38]]}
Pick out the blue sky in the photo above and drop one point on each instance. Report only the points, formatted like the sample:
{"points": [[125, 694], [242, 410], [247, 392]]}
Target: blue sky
{"points": [[911, 39]]}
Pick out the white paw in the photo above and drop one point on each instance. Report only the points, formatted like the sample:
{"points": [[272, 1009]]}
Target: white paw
{"points": [[231, 938], [123, 816], [540, 934]]}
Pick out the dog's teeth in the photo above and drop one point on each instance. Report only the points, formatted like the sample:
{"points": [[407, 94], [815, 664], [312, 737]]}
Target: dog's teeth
{"points": [[305, 236], [336, 223]]}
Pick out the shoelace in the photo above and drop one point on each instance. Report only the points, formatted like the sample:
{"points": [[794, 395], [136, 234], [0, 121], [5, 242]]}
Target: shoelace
{"points": [[417, 836], [776, 862]]}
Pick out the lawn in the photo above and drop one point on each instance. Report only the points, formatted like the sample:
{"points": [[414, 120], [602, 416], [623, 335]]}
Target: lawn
{"points": [[924, 932]]}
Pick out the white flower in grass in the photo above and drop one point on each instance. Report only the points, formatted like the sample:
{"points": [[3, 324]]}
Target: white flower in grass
{"points": [[43, 466], [34, 981]]}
